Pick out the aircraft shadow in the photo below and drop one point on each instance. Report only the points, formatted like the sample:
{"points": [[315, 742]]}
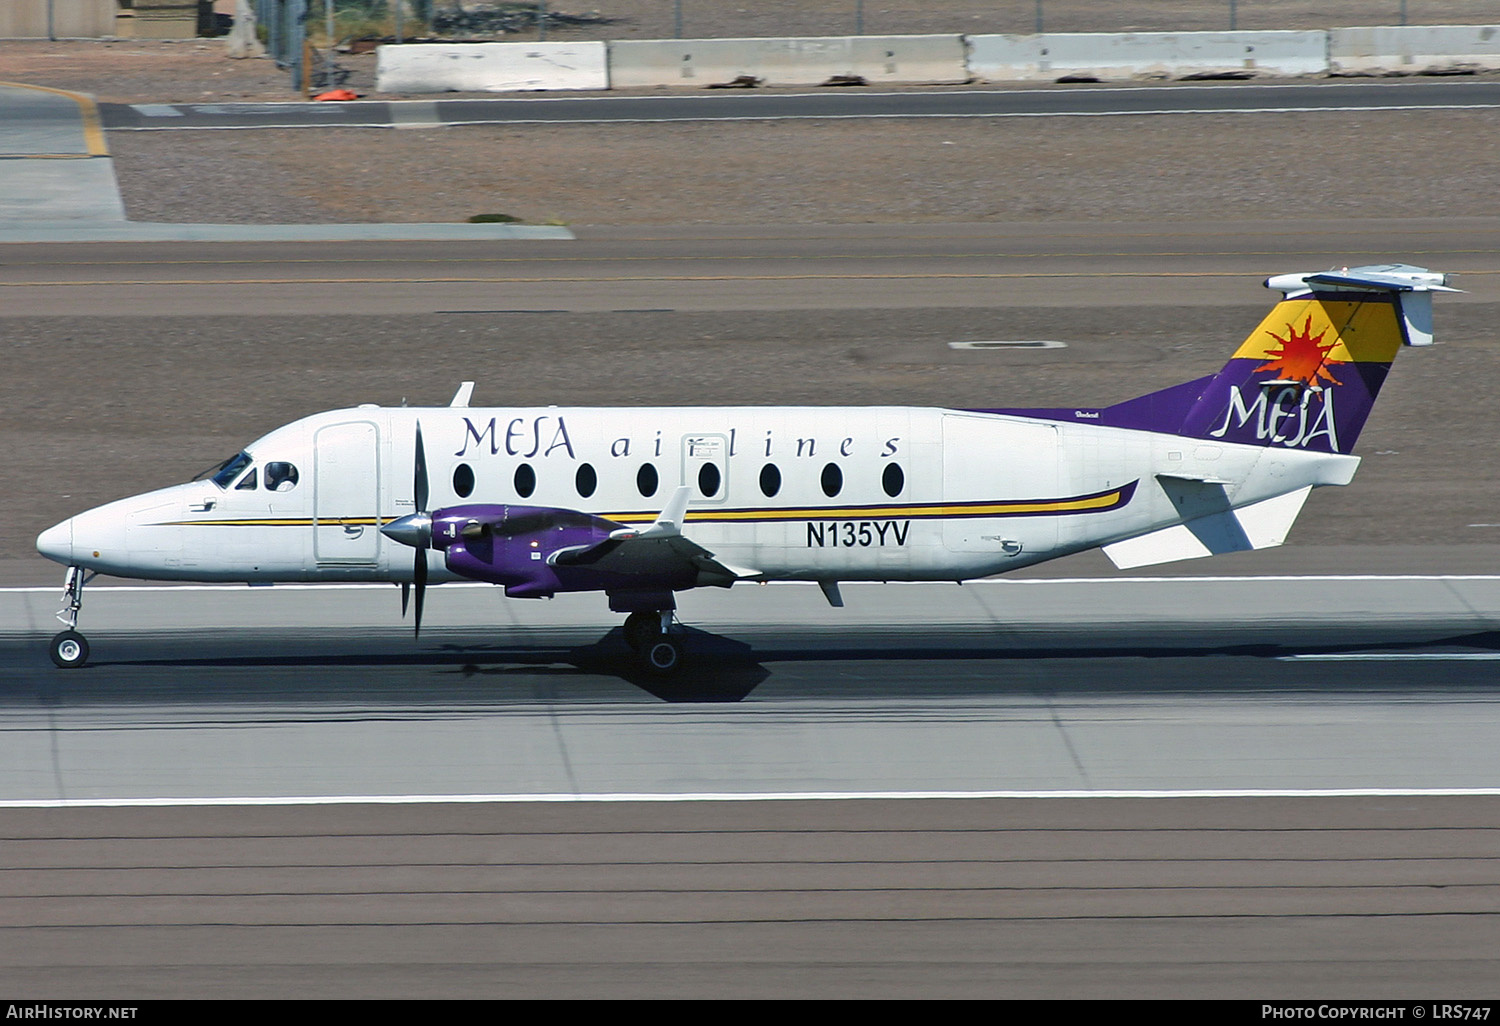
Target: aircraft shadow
{"points": [[716, 669], [720, 669]]}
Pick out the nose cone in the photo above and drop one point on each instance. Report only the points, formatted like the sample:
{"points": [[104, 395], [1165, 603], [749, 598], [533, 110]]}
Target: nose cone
{"points": [[56, 543], [414, 529]]}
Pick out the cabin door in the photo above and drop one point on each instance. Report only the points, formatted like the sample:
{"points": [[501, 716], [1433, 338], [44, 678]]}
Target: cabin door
{"points": [[346, 496]]}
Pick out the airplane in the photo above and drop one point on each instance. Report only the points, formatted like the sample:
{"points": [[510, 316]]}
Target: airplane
{"points": [[643, 503]]}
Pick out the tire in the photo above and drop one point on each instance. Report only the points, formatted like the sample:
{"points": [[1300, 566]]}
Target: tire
{"points": [[662, 657], [641, 629], [70, 650]]}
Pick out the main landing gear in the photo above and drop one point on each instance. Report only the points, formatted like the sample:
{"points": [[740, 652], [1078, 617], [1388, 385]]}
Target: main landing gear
{"points": [[70, 650], [648, 633]]}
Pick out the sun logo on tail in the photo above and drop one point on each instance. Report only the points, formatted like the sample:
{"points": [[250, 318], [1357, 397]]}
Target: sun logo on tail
{"points": [[1302, 357]]}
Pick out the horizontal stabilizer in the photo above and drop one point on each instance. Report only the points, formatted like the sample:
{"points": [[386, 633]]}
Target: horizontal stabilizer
{"points": [[1413, 287], [1260, 525], [1370, 278]]}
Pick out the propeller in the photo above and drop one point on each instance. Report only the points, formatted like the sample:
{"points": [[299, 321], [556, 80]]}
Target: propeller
{"points": [[415, 529]]}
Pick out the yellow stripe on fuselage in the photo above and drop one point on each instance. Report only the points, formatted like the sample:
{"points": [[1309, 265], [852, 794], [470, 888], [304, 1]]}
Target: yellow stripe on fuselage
{"points": [[954, 510]]}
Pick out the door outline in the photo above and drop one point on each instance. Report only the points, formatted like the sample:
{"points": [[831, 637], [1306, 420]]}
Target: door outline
{"points": [[346, 487]]}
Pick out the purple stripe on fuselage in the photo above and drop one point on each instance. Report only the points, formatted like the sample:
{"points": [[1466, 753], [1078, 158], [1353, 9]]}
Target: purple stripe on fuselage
{"points": [[1156, 411], [1243, 403]]}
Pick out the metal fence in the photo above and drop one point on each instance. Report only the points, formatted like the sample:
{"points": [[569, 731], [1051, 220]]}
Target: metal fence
{"points": [[283, 27], [289, 26], [665, 19]]}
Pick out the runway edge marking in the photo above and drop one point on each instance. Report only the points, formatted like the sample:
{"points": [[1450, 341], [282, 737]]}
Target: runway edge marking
{"points": [[1030, 581], [749, 796]]}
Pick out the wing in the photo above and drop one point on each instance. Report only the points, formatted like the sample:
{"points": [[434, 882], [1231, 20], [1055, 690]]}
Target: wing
{"points": [[659, 550]]}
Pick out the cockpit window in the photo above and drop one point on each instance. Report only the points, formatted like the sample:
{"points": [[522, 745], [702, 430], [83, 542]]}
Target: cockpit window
{"points": [[280, 477], [247, 484], [230, 469]]}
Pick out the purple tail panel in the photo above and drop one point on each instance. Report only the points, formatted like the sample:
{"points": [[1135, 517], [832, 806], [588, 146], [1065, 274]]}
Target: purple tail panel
{"points": [[1306, 378]]}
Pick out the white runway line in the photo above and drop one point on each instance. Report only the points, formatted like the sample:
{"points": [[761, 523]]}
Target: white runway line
{"points": [[1388, 657], [1028, 582], [748, 796]]}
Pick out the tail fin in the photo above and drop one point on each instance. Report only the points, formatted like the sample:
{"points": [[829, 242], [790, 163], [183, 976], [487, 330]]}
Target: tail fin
{"points": [[1308, 375]]}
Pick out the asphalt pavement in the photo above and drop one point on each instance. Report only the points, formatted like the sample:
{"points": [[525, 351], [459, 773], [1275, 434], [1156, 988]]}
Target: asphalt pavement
{"points": [[1080, 100]]}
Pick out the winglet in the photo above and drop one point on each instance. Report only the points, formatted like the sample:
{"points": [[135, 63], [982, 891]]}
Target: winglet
{"points": [[462, 396]]}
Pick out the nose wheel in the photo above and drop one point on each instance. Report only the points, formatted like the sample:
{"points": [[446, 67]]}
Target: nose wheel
{"points": [[70, 649]]}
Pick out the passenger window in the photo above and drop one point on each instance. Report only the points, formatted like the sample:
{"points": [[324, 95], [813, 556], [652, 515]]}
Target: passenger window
{"points": [[708, 479], [770, 480], [280, 477], [247, 483], [525, 480], [833, 480], [646, 480], [586, 480], [463, 480], [893, 480]]}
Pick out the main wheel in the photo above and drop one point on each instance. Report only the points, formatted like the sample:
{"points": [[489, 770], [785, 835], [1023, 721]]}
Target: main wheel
{"points": [[663, 657], [641, 628], [70, 650]]}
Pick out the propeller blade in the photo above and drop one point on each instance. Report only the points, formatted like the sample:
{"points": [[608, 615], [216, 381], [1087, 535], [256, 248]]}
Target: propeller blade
{"points": [[419, 484], [419, 577], [415, 529]]}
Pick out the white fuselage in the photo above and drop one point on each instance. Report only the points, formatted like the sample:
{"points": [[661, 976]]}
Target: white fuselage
{"points": [[973, 494]]}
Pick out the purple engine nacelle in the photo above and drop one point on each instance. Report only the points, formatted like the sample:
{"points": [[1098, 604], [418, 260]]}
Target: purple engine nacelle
{"points": [[511, 546]]}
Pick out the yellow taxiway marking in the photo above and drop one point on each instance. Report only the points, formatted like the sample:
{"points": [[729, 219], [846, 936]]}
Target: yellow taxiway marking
{"points": [[93, 130]]}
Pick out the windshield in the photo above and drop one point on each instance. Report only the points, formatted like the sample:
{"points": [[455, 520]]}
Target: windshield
{"points": [[227, 471]]}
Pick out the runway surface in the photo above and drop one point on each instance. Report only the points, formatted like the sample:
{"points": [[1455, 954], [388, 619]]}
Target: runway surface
{"points": [[1314, 684], [1073, 100], [247, 811], [1340, 702], [750, 268], [1256, 899]]}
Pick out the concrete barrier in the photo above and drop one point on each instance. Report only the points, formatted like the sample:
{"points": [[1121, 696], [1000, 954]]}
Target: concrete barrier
{"points": [[877, 60], [73, 19], [1413, 49], [1128, 55], [799, 61], [162, 19], [490, 67]]}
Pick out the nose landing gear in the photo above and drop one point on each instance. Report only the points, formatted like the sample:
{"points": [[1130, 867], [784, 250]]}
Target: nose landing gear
{"points": [[70, 650]]}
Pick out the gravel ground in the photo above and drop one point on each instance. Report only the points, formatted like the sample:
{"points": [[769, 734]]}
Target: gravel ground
{"points": [[1198, 167], [1179, 168]]}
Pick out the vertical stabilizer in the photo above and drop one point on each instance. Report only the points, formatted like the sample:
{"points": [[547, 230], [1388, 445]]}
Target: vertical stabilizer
{"points": [[1307, 376]]}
